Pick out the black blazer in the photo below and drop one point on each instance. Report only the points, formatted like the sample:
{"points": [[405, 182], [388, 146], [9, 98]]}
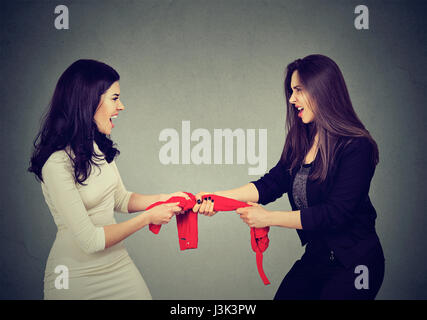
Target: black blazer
{"points": [[339, 211]]}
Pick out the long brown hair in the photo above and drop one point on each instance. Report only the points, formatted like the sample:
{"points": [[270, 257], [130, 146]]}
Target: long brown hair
{"points": [[335, 120], [69, 120]]}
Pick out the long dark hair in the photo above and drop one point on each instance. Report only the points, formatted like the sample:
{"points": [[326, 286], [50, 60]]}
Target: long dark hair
{"points": [[69, 120], [334, 117]]}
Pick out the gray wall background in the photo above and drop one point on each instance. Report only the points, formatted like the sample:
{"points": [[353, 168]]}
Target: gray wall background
{"points": [[219, 64]]}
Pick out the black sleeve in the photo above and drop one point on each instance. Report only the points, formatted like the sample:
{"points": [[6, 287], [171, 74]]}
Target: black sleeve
{"points": [[273, 184], [350, 187]]}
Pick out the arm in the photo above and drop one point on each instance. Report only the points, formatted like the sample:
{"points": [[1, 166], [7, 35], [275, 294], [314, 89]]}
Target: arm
{"points": [[265, 190], [69, 207], [273, 184], [139, 202], [258, 217], [285, 219], [158, 215], [350, 187], [115, 233], [245, 193]]}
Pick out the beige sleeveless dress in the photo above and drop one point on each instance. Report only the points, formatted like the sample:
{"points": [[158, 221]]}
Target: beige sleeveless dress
{"points": [[79, 266]]}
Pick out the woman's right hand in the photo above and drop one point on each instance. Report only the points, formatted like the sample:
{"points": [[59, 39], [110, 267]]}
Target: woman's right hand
{"points": [[206, 206], [163, 213]]}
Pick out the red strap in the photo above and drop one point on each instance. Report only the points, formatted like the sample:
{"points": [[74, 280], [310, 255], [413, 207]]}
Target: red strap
{"points": [[188, 227], [259, 236], [259, 245]]}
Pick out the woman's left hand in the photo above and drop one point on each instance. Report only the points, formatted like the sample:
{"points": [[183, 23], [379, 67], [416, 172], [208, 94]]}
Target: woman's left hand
{"points": [[254, 216]]}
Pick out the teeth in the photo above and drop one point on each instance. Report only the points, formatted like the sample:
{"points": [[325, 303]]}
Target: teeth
{"points": [[300, 108], [113, 117]]}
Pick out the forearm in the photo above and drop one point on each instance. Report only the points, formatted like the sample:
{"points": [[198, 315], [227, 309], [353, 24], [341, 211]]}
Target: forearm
{"points": [[285, 219], [245, 193], [139, 202], [115, 233]]}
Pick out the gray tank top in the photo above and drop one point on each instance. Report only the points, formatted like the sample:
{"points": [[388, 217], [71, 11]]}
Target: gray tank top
{"points": [[316, 245], [299, 190]]}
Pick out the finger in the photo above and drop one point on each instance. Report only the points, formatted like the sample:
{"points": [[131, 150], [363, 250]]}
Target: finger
{"points": [[166, 220], [176, 209], [183, 194], [213, 209], [213, 212], [241, 210], [254, 204], [186, 196], [171, 204], [202, 209], [197, 205], [201, 195], [210, 207]]}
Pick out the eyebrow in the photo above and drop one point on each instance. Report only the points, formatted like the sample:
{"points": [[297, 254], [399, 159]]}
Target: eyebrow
{"points": [[116, 94]]}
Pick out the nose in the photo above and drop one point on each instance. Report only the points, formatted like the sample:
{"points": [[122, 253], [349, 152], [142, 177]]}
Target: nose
{"points": [[292, 99], [121, 106]]}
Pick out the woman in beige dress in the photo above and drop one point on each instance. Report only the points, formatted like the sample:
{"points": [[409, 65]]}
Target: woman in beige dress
{"points": [[74, 160]]}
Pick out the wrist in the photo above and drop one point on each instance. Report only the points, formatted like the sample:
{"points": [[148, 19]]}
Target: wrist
{"points": [[271, 218], [163, 197], [146, 218]]}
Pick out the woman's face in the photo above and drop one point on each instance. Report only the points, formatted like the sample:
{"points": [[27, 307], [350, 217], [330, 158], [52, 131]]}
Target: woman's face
{"points": [[300, 99], [109, 106]]}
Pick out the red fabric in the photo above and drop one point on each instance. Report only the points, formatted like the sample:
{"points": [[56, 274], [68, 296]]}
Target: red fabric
{"points": [[259, 236], [188, 232], [186, 223]]}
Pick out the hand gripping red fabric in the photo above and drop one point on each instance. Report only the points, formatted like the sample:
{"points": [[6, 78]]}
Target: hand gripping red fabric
{"points": [[186, 223], [188, 231]]}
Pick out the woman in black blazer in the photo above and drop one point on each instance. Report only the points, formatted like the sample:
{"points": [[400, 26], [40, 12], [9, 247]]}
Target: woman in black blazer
{"points": [[326, 168]]}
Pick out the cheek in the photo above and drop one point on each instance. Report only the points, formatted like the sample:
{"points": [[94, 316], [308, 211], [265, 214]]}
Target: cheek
{"points": [[103, 113], [311, 115]]}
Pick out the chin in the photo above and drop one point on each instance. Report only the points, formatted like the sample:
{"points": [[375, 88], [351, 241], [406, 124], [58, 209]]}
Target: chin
{"points": [[307, 121], [105, 132]]}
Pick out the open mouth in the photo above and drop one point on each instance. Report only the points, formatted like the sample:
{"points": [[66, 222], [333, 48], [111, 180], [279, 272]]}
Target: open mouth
{"points": [[111, 120], [300, 110]]}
